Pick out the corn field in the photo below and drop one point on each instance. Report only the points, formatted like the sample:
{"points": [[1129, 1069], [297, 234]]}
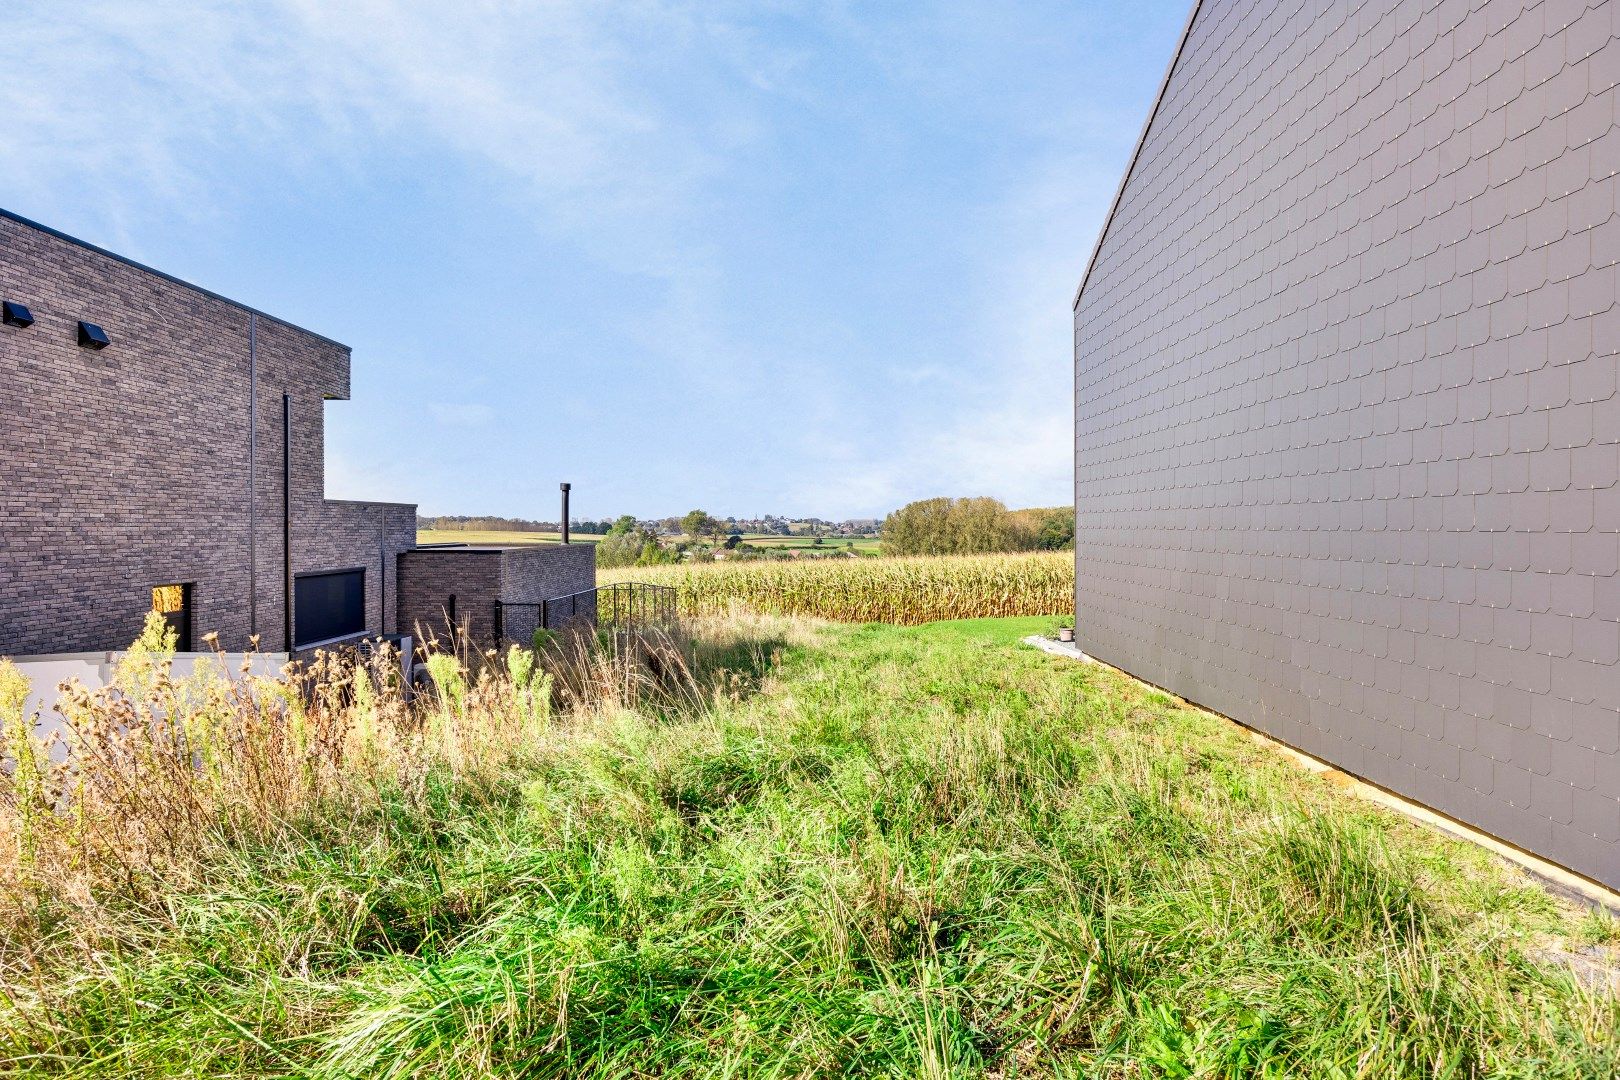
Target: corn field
{"points": [[905, 591]]}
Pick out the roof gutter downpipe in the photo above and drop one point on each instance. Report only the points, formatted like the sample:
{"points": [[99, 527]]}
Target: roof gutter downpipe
{"points": [[253, 487], [286, 523]]}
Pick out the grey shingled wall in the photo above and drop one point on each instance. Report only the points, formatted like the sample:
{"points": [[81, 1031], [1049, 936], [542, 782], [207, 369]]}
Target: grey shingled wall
{"points": [[1346, 422]]}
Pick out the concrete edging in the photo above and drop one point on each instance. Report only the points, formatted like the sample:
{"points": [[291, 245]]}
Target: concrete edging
{"points": [[1550, 875]]}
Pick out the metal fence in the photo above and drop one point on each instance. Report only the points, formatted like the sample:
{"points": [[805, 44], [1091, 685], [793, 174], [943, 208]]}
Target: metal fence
{"points": [[621, 606]]}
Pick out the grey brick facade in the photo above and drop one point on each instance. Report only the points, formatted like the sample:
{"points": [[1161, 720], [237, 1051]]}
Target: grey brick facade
{"points": [[129, 467], [1347, 433], [532, 574]]}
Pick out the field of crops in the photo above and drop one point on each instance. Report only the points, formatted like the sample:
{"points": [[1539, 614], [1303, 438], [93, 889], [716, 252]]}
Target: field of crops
{"points": [[902, 591]]}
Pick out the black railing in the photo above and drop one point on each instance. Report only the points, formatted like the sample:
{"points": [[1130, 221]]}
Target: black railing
{"points": [[620, 606]]}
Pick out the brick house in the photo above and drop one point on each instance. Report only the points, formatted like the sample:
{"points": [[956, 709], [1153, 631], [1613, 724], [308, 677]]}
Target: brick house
{"points": [[163, 448], [1345, 402]]}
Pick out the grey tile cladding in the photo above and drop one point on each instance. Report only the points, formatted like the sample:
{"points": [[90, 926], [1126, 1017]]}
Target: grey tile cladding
{"points": [[1346, 428]]}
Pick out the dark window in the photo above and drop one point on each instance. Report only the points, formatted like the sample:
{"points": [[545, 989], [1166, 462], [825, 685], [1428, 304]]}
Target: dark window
{"points": [[329, 605], [173, 602]]}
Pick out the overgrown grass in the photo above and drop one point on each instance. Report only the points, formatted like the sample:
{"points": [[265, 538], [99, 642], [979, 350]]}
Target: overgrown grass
{"points": [[868, 851], [905, 591]]}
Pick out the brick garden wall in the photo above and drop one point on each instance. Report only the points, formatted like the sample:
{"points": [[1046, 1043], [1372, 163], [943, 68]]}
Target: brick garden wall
{"points": [[478, 576], [429, 577], [539, 573]]}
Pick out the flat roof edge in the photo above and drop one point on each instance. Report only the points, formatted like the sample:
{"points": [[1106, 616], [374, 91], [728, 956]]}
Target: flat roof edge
{"points": [[372, 502], [74, 240], [453, 549]]}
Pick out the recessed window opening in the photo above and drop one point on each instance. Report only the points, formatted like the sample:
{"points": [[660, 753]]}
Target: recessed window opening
{"points": [[328, 605], [173, 602]]}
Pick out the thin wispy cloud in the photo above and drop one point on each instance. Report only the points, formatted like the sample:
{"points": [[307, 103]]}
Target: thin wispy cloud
{"points": [[799, 257], [465, 415], [164, 102]]}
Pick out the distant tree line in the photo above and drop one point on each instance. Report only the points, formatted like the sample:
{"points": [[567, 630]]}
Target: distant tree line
{"points": [[483, 523], [975, 525], [928, 527], [594, 528], [467, 523], [668, 526]]}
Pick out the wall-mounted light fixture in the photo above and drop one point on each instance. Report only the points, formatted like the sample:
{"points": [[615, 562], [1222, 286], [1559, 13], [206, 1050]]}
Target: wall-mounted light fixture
{"points": [[92, 336], [17, 315]]}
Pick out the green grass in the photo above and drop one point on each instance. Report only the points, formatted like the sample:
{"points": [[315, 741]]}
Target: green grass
{"points": [[900, 852]]}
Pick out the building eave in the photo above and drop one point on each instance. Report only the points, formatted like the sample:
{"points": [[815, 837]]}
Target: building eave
{"points": [[244, 308], [1141, 140]]}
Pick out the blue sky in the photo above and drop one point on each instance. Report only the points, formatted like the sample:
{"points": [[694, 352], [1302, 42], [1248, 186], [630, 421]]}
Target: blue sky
{"points": [[778, 257]]}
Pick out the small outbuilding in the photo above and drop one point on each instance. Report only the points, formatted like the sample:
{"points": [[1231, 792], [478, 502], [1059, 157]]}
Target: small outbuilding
{"points": [[494, 593]]}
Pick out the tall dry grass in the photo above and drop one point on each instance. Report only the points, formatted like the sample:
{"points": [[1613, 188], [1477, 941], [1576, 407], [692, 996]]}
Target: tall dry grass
{"points": [[149, 776], [903, 591]]}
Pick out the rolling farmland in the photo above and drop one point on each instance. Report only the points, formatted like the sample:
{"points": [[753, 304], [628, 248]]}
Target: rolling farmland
{"points": [[498, 536]]}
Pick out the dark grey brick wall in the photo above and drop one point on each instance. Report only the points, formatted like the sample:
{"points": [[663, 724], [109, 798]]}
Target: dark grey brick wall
{"points": [[477, 576], [429, 577], [531, 574], [128, 468], [1346, 423]]}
